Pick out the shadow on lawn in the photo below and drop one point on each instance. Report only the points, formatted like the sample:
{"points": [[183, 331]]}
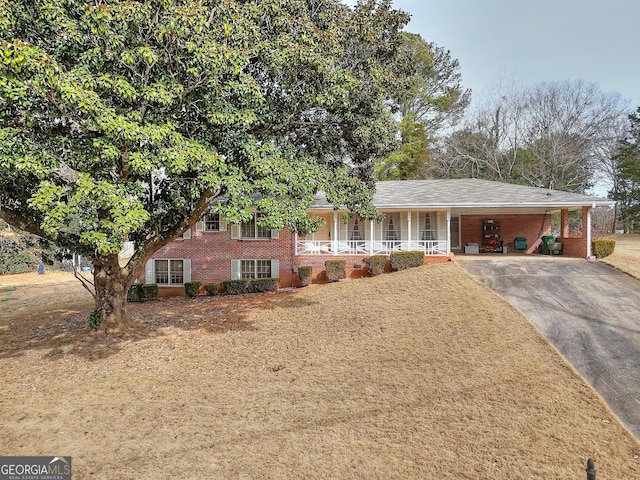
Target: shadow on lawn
{"points": [[65, 332]]}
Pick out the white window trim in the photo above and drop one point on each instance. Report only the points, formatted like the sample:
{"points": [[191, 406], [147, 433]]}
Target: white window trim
{"points": [[150, 272], [201, 225], [236, 267]]}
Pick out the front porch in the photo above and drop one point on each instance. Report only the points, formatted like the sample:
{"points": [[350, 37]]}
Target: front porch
{"points": [[345, 235]]}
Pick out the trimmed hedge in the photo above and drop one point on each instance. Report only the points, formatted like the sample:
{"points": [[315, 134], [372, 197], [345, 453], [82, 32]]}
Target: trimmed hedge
{"points": [[602, 248], [376, 263], [139, 292], [305, 275], [135, 293], [404, 260], [335, 269], [150, 291], [211, 288], [191, 289], [251, 285]]}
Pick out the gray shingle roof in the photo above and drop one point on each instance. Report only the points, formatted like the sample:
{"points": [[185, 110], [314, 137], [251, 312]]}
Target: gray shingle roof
{"points": [[469, 192]]}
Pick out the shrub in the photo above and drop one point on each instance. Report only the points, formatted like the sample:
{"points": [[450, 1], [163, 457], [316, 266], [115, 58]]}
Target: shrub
{"points": [[251, 285], [191, 289], [376, 264], [335, 269], [15, 256], [94, 318], [305, 275], [404, 260], [211, 288], [150, 291], [236, 287], [602, 248], [136, 293], [265, 284]]}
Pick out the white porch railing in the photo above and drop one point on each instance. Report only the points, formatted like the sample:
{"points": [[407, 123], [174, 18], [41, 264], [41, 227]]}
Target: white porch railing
{"points": [[367, 247]]}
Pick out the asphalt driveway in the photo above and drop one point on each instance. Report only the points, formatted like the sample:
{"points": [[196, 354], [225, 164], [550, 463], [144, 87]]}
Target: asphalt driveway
{"points": [[588, 310]]}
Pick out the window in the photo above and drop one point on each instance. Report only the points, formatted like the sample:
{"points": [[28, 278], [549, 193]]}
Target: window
{"points": [[168, 271], [254, 268], [391, 233], [212, 222], [251, 229]]}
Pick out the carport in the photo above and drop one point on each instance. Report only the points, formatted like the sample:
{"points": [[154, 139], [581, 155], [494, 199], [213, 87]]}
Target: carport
{"points": [[588, 311], [523, 215]]}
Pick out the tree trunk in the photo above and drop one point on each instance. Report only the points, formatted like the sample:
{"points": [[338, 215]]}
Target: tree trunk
{"points": [[110, 293]]}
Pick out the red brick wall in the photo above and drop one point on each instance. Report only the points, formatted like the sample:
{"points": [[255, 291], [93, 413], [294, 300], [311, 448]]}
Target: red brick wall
{"points": [[532, 227], [211, 254]]}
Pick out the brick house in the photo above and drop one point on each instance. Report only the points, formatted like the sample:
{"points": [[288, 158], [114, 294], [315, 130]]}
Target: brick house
{"points": [[439, 217]]}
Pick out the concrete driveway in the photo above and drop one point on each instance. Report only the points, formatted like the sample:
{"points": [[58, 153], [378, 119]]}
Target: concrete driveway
{"points": [[588, 310]]}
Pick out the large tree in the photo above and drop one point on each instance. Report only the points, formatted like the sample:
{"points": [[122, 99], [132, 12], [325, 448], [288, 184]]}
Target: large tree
{"points": [[125, 120], [429, 98], [626, 188], [553, 135]]}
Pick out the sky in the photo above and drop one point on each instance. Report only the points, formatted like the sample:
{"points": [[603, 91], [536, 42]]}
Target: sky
{"points": [[526, 43]]}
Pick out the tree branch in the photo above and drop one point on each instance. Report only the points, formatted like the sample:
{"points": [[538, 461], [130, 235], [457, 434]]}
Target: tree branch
{"points": [[16, 219], [84, 282]]}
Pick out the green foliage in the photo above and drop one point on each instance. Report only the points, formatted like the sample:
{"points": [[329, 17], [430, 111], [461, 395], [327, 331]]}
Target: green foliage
{"points": [[602, 248], [191, 289], [264, 285], [16, 255], [626, 189], [304, 273], [335, 269], [404, 260], [376, 264], [211, 288], [136, 293], [94, 319], [139, 292], [250, 285], [237, 287], [150, 291], [430, 97]]}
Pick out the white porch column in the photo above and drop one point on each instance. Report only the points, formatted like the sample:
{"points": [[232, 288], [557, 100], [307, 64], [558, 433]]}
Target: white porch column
{"points": [[589, 231], [448, 236], [336, 232], [409, 213], [371, 236]]}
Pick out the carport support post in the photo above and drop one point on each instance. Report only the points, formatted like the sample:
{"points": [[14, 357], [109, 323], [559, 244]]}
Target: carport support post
{"points": [[591, 470]]}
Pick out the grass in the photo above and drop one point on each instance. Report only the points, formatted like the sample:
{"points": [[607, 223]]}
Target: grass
{"points": [[423, 374], [626, 255]]}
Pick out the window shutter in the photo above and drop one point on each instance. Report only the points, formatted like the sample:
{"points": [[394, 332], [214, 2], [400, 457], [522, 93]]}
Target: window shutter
{"points": [[223, 224], [187, 234], [275, 268], [150, 271], [235, 269], [200, 225], [235, 231], [275, 234], [186, 266]]}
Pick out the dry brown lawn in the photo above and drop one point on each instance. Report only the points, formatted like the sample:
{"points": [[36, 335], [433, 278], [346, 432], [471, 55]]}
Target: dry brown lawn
{"points": [[626, 255], [422, 374]]}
